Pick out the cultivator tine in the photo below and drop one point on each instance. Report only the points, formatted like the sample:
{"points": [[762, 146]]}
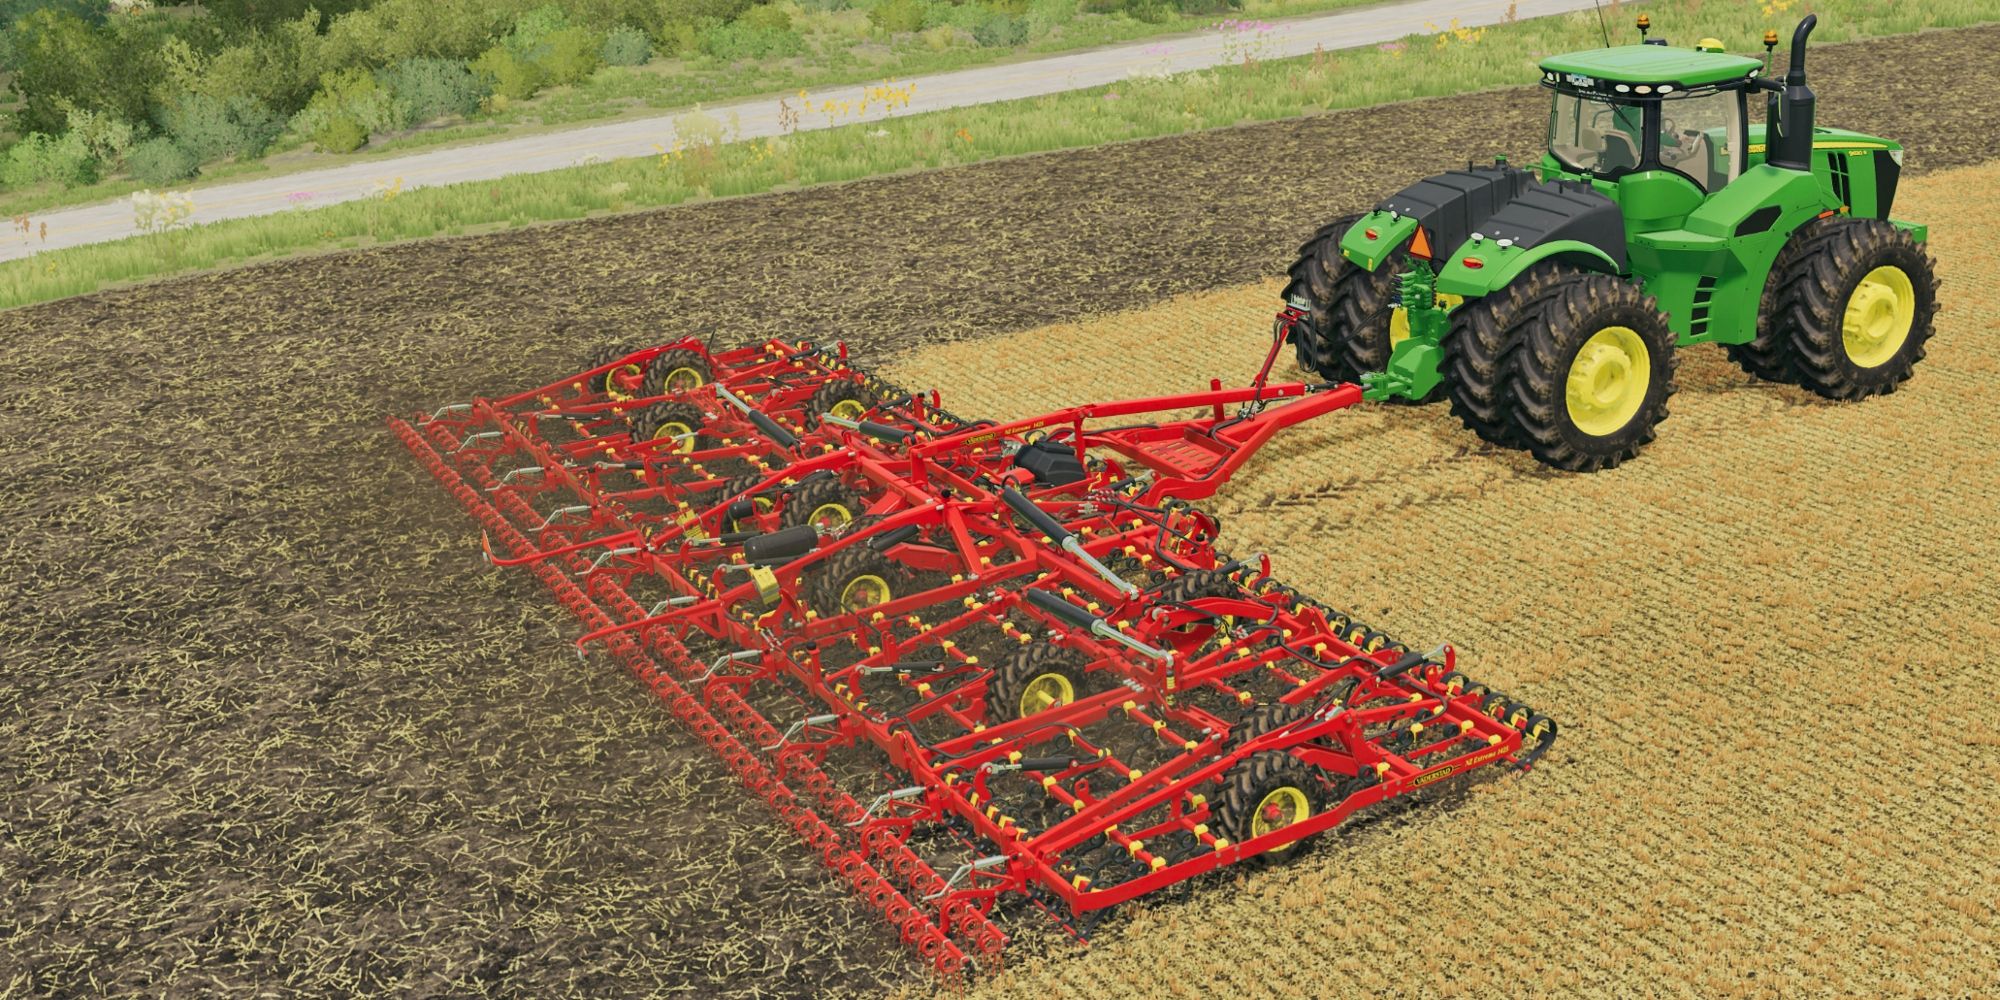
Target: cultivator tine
{"points": [[1069, 729]]}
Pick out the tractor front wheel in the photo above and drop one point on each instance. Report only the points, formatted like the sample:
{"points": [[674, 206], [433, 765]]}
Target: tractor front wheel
{"points": [[1478, 351], [1854, 307], [1591, 380]]}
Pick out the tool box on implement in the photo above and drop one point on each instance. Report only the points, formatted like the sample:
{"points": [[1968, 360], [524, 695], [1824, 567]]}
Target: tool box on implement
{"points": [[982, 668]]}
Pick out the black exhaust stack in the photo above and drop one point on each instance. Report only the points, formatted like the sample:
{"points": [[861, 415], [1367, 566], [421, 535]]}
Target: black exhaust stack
{"points": [[1790, 136]]}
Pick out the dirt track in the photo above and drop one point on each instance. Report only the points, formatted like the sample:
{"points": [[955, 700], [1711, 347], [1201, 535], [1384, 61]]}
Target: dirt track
{"points": [[270, 721], [1768, 642]]}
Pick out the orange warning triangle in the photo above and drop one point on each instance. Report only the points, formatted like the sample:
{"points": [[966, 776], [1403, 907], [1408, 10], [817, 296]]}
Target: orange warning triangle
{"points": [[1420, 244]]}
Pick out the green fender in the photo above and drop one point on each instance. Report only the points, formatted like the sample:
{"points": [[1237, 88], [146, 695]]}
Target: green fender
{"points": [[1498, 266], [1390, 232]]}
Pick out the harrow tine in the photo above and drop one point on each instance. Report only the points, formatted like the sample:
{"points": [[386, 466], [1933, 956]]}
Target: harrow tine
{"points": [[508, 479], [581, 508], [481, 436], [740, 656], [610, 554], [987, 863], [899, 795], [796, 727], [449, 408]]}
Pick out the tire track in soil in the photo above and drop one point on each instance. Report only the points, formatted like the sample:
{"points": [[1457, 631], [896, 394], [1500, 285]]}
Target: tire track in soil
{"points": [[270, 719]]}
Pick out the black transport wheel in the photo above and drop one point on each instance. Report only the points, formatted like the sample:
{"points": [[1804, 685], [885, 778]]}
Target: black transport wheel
{"points": [[606, 383], [1855, 308], [1350, 309], [1265, 792], [676, 372], [1591, 381], [843, 398], [1479, 350], [1035, 679], [852, 580], [760, 503], [680, 424], [826, 504]]}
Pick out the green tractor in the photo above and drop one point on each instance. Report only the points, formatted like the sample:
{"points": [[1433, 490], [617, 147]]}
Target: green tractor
{"points": [[1548, 308]]}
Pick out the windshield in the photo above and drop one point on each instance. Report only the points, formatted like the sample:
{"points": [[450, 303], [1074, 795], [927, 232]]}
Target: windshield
{"points": [[1593, 135], [1698, 137]]}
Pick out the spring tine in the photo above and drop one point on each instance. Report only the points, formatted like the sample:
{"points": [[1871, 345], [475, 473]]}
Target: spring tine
{"points": [[508, 479], [980, 865], [610, 554], [817, 720], [736, 657], [671, 602], [481, 436], [582, 508], [450, 408], [899, 795]]}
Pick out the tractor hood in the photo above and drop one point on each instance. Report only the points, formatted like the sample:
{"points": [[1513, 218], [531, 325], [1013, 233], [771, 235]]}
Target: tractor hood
{"points": [[1491, 220]]}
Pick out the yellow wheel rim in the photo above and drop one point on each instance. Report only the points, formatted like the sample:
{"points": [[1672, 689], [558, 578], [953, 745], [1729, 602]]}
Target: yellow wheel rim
{"points": [[1608, 380], [1045, 692], [829, 516], [611, 381], [1878, 317], [849, 409], [676, 429], [1281, 808], [682, 379], [1399, 318], [864, 592]]}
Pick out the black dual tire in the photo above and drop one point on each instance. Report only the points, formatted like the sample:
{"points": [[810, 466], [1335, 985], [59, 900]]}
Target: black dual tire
{"points": [[670, 418], [675, 372], [828, 398], [1266, 779], [831, 587], [604, 355], [1028, 672], [1827, 278], [1349, 308], [1511, 364], [816, 501]]}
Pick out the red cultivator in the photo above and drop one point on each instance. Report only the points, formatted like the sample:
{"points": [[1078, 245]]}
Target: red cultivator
{"points": [[1016, 643]]}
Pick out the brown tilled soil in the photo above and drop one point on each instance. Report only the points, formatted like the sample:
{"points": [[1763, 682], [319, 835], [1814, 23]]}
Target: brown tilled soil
{"points": [[1768, 642], [269, 723]]}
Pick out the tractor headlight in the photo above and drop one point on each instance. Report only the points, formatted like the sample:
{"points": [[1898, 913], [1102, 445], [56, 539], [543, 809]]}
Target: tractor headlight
{"points": [[1897, 155]]}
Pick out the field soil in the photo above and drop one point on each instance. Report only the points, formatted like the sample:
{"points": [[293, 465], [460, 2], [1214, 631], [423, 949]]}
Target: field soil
{"points": [[1767, 641], [270, 723]]}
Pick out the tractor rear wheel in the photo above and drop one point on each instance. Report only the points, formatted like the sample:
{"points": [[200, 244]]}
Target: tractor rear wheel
{"points": [[1353, 311], [1035, 679], [1854, 307], [1591, 380], [1479, 349]]}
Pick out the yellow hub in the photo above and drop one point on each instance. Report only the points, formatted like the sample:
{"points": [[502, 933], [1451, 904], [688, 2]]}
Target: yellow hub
{"points": [[671, 429], [829, 516], [1285, 805], [1608, 380], [1046, 691], [849, 409], [1879, 316], [1399, 318], [611, 378], [864, 592], [682, 379]]}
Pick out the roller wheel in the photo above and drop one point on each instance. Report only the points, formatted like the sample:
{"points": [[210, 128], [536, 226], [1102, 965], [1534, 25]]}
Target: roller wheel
{"points": [[676, 372], [1035, 679], [1348, 307], [1854, 307], [852, 580], [662, 421], [1478, 351], [1591, 379], [604, 384], [1265, 792], [842, 398], [825, 503]]}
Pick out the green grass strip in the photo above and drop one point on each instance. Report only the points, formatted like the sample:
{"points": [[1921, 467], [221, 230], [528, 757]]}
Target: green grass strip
{"points": [[1420, 66]]}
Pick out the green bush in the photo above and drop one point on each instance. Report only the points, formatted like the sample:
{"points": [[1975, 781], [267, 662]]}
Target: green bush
{"points": [[40, 158], [998, 29], [210, 128], [160, 160], [1044, 16], [767, 17], [106, 137], [349, 106], [508, 74], [734, 41], [569, 55], [691, 12], [625, 45], [898, 16], [429, 89]]}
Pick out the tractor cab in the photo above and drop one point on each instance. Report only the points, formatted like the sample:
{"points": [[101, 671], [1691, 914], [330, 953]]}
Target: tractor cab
{"points": [[1621, 110]]}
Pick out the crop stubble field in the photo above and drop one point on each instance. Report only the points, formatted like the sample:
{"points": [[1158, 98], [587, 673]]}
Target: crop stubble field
{"points": [[270, 722]]}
